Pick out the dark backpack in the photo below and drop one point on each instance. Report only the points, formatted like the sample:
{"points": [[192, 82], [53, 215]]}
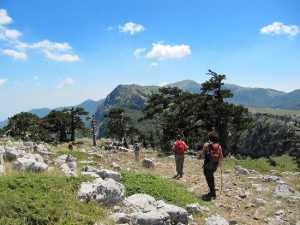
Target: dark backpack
{"points": [[215, 152]]}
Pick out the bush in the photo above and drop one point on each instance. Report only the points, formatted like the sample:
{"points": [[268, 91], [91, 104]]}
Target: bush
{"points": [[41, 200], [159, 188]]}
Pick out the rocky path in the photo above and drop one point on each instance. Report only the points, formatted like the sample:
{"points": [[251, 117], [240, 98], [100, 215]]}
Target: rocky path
{"points": [[248, 197]]}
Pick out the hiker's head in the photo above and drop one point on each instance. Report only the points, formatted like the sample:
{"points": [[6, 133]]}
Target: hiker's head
{"points": [[213, 136], [178, 137]]}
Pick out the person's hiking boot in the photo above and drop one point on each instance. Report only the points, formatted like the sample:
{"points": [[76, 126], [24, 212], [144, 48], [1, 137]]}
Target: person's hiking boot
{"points": [[176, 176], [208, 197]]}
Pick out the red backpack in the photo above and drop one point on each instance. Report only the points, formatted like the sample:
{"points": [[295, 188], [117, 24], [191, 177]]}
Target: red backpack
{"points": [[215, 151], [180, 146]]}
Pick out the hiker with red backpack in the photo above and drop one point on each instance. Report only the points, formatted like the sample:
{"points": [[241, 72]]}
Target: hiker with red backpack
{"points": [[213, 156], [179, 148]]}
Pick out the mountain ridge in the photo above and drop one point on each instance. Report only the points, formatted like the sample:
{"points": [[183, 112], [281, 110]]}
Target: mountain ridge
{"points": [[134, 96]]}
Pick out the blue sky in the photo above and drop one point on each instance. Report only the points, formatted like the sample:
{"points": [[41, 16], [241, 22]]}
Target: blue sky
{"points": [[55, 53]]}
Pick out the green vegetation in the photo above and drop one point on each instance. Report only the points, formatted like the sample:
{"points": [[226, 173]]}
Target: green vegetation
{"points": [[277, 112], [263, 165], [158, 187], [30, 199], [57, 126]]}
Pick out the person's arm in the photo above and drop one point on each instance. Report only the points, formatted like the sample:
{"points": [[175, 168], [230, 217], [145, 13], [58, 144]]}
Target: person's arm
{"points": [[204, 150]]}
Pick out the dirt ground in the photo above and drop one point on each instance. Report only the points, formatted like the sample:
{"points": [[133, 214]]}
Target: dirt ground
{"points": [[237, 200]]}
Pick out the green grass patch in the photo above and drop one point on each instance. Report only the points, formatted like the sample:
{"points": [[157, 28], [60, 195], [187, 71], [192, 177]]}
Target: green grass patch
{"points": [[75, 152], [159, 188], [283, 163], [31, 199]]}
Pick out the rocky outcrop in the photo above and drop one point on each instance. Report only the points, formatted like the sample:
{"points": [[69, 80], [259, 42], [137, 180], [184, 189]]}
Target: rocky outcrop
{"points": [[31, 162], [108, 191], [146, 210]]}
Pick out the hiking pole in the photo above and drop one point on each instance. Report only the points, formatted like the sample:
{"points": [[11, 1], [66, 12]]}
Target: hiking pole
{"points": [[221, 179]]}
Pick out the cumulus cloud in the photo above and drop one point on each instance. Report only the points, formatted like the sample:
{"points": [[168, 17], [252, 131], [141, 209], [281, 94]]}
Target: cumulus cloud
{"points": [[66, 82], [61, 57], [46, 45], [9, 34], [131, 28], [278, 28], [162, 51], [4, 17], [2, 81], [139, 52], [14, 54]]}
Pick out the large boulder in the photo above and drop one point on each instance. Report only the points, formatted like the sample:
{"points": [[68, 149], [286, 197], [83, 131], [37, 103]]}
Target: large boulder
{"points": [[149, 211], [120, 218], [270, 178], [11, 153], [216, 220], [108, 191], [30, 162]]}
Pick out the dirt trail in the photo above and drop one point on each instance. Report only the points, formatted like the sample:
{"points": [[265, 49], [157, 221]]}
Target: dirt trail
{"points": [[237, 200]]}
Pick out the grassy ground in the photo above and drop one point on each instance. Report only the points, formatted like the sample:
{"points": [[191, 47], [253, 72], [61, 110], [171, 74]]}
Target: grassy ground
{"points": [[283, 163], [279, 112], [160, 188], [30, 199]]}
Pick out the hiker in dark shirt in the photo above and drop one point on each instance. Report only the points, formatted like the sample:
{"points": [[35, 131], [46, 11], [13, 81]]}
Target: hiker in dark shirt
{"points": [[213, 156], [136, 149], [179, 148]]}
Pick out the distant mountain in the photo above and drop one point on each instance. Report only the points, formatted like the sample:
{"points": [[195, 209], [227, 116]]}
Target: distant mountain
{"points": [[134, 97], [89, 105], [252, 97]]}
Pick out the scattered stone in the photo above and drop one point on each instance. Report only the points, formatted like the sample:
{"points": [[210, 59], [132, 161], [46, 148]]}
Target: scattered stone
{"points": [[67, 164], [270, 178], [260, 202], [283, 190], [108, 191], [148, 163], [109, 174], [116, 166], [240, 170], [91, 174], [260, 213], [216, 220], [277, 220], [196, 208]]}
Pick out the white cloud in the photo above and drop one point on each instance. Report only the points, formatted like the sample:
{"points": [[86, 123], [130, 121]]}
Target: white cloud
{"points": [[14, 54], [131, 28], [66, 82], [2, 81], [61, 57], [46, 45], [162, 84], [138, 52], [9, 34], [278, 28], [161, 51], [4, 18]]}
